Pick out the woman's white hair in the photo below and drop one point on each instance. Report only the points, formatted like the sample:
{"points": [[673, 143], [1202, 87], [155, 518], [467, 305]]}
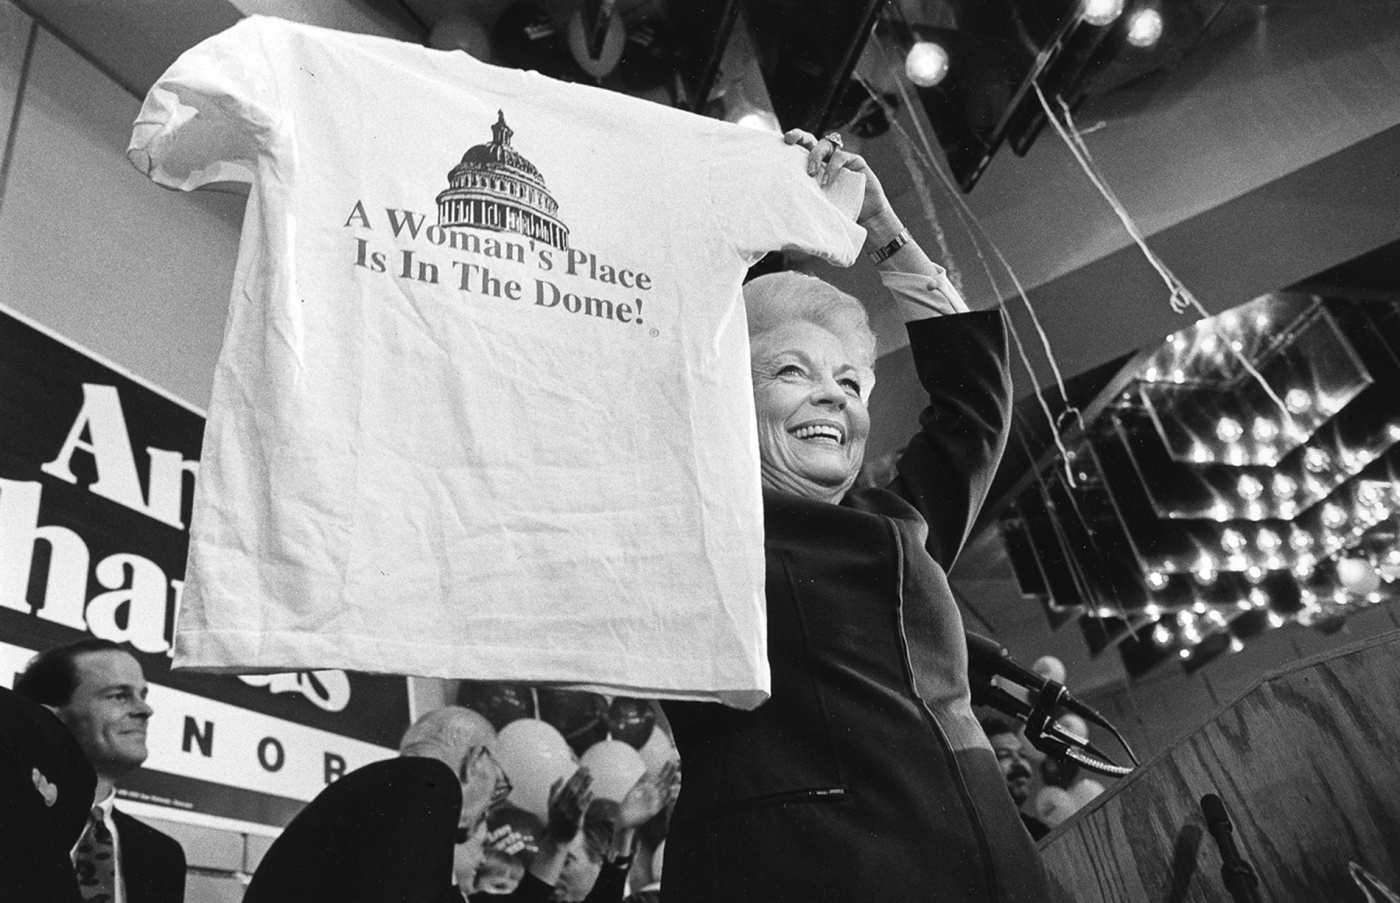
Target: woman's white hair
{"points": [[777, 298]]}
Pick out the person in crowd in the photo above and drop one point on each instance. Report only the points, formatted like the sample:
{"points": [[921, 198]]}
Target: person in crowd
{"points": [[865, 775], [98, 690], [388, 830], [46, 792], [511, 839], [1015, 768], [586, 849]]}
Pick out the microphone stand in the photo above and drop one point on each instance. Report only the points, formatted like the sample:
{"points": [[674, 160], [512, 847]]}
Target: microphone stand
{"points": [[1044, 733], [1237, 874]]}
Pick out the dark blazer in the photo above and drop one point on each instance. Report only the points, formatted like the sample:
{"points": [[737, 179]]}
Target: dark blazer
{"points": [[152, 862], [38, 832], [384, 833], [866, 776]]}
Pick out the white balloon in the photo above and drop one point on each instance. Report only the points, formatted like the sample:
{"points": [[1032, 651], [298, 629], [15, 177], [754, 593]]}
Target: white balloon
{"points": [[658, 750], [1053, 805], [615, 767], [1084, 791], [534, 755], [1050, 668], [1074, 725], [1358, 575]]}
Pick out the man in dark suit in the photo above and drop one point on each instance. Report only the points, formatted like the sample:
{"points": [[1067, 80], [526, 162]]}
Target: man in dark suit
{"points": [[388, 831], [46, 788], [98, 691]]}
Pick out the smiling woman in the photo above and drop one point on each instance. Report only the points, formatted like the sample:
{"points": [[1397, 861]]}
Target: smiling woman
{"points": [[813, 368], [866, 768]]}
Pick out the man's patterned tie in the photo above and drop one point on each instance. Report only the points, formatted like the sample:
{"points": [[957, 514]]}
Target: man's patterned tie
{"points": [[96, 862]]}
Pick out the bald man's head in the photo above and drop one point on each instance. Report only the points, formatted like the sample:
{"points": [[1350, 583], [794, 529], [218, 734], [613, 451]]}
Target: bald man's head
{"points": [[447, 734]]}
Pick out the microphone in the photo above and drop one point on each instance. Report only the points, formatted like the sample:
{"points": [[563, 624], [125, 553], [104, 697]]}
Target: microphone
{"points": [[988, 657], [1239, 878]]}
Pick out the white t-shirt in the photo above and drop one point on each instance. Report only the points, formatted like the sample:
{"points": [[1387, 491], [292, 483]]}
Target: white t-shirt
{"points": [[483, 407]]}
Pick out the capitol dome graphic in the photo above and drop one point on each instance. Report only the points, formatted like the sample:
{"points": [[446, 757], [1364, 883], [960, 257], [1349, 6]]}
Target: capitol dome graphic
{"points": [[494, 187]]}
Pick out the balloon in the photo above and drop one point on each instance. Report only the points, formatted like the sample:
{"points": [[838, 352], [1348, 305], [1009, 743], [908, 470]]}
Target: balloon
{"points": [[1053, 805], [1358, 575], [1050, 668], [657, 751], [1084, 791], [580, 716], [631, 721], [1074, 725], [533, 755], [615, 767], [500, 703], [459, 31]]}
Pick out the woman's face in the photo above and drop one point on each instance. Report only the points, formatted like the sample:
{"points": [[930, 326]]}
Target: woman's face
{"points": [[810, 392]]}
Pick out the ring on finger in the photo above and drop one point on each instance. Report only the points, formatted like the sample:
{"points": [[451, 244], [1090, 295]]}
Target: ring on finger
{"points": [[835, 139]]}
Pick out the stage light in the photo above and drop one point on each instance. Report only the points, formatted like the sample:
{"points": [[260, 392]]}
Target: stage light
{"points": [[1222, 487], [926, 64], [1297, 401], [1102, 12], [1185, 653], [1145, 28], [1265, 430]]}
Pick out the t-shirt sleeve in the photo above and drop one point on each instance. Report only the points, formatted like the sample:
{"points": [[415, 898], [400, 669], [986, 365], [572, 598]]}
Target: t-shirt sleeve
{"points": [[763, 200], [210, 115]]}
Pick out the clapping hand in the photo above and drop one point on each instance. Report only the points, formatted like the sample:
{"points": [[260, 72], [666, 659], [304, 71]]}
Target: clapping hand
{"points": [[568, 803], [652, 793]]}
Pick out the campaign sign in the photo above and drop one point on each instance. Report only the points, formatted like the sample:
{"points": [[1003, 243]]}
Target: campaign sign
{"points": [[97, 473]]}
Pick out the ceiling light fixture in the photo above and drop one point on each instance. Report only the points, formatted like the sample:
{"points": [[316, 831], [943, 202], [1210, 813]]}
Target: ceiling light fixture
{"points": [[926, 64]]}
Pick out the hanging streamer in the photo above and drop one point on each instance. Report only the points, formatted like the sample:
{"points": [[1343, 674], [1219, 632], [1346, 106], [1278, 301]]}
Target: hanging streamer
{"points": [[1181, 296], [923, 153]]}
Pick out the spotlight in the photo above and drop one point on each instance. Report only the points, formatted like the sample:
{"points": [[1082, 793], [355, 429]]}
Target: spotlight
{"points": [[1145, 28], [1102, 12], [1229, 429], [927, 64]]}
